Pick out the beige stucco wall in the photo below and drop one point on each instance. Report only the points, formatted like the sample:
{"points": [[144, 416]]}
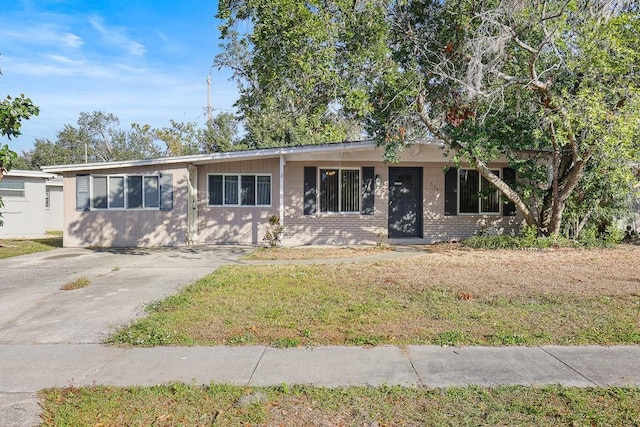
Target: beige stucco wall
{"points": [[236, 224], [24, 217], [128, 227]]}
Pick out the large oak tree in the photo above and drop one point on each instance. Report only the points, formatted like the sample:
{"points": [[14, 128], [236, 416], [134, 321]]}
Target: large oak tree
{"points": [[552, 86]]}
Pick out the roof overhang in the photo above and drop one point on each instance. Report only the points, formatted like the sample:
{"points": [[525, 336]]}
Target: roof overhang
{"points": [[200, 159], [29, 174]]}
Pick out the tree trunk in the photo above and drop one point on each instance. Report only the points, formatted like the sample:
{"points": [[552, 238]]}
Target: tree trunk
{"points": [[583, 222]]}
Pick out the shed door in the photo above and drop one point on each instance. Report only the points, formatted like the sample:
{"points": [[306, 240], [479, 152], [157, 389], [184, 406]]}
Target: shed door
{"points": [[405, 202]]}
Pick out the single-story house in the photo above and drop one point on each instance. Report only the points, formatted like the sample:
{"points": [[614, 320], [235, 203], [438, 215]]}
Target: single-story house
{"points": [[32, 204], [340, 193]]}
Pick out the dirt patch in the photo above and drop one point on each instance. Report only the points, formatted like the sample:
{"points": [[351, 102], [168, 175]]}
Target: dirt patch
{"points": [[311, 253], [518, 273]]}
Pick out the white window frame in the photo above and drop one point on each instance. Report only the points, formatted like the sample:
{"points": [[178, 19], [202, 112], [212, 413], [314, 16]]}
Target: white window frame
{"points": [[13, 192], [480, 178], [125, 194], [239, 200], [319, 190]]}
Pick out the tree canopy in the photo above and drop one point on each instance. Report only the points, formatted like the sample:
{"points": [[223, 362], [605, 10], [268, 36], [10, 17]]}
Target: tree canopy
{"points": [[98, 137], [552, 86]]}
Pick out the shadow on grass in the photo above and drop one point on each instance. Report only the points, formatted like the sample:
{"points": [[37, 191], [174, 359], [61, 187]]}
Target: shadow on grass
{"points": [[53, 242], [15, 247]]}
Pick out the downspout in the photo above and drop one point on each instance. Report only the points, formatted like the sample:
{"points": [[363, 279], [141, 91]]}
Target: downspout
{"points": [[281, 200]]}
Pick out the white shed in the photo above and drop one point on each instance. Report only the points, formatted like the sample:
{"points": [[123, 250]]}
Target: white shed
{"points": [[33, 204]]}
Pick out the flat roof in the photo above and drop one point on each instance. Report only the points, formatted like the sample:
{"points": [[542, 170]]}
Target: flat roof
{"points": [[29, 174], [199, 159]]}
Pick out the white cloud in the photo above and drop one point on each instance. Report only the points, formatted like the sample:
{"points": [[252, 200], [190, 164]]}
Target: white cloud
{"points": [[43, 35], [116, 36], [50, 65]]}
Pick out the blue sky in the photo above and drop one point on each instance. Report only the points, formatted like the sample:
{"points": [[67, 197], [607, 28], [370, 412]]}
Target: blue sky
{"points": [[146, 61]]}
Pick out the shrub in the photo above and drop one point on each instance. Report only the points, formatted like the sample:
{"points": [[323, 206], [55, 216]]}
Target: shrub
{"points": [[275, 232]]}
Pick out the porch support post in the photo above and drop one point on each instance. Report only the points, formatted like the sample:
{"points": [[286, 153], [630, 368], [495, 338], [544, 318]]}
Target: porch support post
{"points": [[281, 201]]}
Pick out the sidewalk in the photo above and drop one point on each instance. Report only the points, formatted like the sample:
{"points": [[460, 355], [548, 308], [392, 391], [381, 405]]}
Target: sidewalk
{"points": [[27, 368]]}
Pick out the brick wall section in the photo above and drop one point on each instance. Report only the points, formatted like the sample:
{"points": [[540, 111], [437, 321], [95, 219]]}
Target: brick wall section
{"points": [[347, 229], [440, 228]]}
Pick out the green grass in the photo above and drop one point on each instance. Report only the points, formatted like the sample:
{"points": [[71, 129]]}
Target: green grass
{"points": [[179, 404], [15, 247], [355, 304]]}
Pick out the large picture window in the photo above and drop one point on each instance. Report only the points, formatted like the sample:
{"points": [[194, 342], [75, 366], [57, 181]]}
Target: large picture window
{"points": [[124, 192], [476, 194], [239, 190], [339, 190]]}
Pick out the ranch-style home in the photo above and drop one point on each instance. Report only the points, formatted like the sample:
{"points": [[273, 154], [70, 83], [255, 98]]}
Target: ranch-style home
{"points": [[341, 194]]}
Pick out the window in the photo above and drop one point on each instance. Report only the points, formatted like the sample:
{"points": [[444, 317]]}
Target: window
{"points": [[151, 196], [134, 192], [47, 199], [116, 192], [124, 192], [476, 194], [339, 190], [239, 190], [99, 192], [11, 188]]}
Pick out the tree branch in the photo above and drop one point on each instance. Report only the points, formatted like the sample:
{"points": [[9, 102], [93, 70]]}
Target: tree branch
{"points": [[481, 166]]}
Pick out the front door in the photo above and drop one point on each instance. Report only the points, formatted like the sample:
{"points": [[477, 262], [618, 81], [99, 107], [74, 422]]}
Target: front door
{"points": [[405, 202]]}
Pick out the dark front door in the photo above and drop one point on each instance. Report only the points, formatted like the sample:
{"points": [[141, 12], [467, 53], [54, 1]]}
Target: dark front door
{"points": [[405, 202]]}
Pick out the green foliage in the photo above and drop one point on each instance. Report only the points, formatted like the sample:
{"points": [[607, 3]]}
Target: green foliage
{"points": [[221, 133], [286, 342], [454, 338], [12, 112], [146, 334], [589, 238], [502, 241], [290, 67]]}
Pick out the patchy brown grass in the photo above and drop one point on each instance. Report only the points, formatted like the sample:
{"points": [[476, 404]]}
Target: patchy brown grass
{"points": [[512, 273], [460, 297], [79, 283], [311, 253], [179, 404]]}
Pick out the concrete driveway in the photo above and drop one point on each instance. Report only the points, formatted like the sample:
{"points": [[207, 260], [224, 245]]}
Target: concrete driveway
{"points": [[33, 309]]}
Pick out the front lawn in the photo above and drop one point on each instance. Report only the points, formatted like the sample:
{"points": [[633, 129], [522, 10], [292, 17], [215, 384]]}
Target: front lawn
{"points": [[179, 404], [457, 297], [14, 247]]}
